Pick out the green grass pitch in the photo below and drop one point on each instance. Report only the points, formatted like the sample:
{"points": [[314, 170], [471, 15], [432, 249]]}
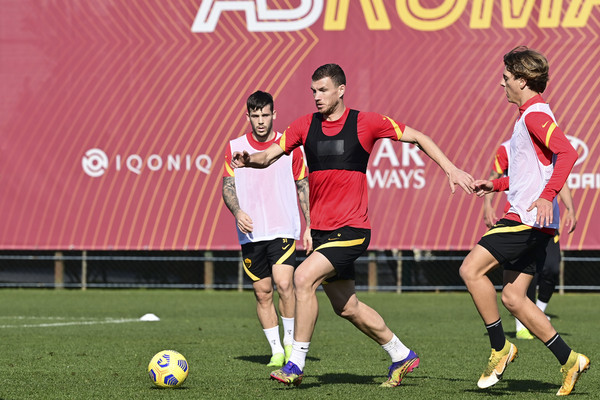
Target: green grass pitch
{"points": [[72, 344]]}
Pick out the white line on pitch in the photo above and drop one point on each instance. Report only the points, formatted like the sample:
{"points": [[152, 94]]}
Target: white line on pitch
{"points": [[46, 325]]}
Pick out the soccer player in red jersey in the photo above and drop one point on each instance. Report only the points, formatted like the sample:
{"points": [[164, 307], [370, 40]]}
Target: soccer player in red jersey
{"points": [[547, 279], [337, 142], [540, 161]]}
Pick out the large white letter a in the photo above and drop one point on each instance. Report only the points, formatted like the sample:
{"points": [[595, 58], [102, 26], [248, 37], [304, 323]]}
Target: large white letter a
{"points": [[258, 17]]}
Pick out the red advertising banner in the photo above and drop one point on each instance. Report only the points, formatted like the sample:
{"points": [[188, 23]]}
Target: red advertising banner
{"points": [[115, 115]]}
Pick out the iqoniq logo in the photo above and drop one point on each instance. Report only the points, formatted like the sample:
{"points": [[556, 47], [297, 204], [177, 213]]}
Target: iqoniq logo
{"points": [[258, 17], [95, 163]]}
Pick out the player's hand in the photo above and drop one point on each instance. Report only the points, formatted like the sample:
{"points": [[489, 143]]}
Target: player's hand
{"points": [[489, 216], [240, 159], [481, 187], [570, 220], [244, 222], [307, 241], [544, 211], [460, 178]]}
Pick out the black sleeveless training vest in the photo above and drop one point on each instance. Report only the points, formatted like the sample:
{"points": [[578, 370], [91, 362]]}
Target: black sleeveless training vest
{"points": [[341, 151]]}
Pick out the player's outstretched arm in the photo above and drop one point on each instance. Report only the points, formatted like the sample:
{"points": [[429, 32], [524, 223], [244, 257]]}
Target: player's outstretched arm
{"points": [[455, 175], [261, 159]]}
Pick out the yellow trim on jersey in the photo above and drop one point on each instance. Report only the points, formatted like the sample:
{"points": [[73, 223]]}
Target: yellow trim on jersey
{"points": [[343, 243], [282, 142], [396, 127], [287, 253], [497, 165], [504, 229], [302, 172], [549, 133], [229, 169]]}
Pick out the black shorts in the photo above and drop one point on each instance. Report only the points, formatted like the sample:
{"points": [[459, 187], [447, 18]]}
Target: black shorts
{"points": [[259, 257], [551, 266], [516, 246], [341, 247]]}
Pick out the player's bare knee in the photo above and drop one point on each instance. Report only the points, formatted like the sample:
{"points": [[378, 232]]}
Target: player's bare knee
{"points": [[342, 312], [346, 311], [302, 283], [264, 297], [466, 272], [511, 301], [285, 287]]}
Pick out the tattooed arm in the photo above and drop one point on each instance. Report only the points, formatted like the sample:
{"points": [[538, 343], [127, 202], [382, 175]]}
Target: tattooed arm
{"points": [[302, 189], [242, 220]]}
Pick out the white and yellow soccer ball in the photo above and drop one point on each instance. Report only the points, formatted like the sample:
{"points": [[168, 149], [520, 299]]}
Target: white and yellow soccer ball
{"points": [[168, 369]]}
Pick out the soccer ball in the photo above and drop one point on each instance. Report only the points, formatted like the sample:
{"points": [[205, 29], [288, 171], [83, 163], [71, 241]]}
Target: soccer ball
{"points": [[168, 369]]}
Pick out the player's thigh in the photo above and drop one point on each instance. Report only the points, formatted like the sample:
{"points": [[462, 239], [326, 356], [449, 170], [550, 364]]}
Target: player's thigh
{"points": [[312, 271], [515, 284], [341, 294], [477, 263]]}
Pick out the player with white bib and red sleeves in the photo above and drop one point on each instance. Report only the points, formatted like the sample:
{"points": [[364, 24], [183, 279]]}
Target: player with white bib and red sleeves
{"points": [[547, 279], [264, 205], [540, 160]]}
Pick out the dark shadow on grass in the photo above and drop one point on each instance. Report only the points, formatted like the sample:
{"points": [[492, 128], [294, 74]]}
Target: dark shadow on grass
{"points": [[352, 379], [510, 387], [330, 379], [264, 359], [430, 377], [327, 379], [169, 389]]}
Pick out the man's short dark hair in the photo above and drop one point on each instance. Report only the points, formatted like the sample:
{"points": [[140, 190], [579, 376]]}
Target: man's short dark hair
{"points": [[333, 71], [258, 100]]}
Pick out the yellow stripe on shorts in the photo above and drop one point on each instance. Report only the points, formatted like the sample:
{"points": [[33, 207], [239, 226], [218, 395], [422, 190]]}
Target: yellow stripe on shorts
{"points": [[504, 229], [341, 243], [287, 253], [250, 274]]}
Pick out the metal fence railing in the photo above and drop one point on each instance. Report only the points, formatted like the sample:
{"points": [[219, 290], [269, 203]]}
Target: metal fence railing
{"points": [[390, 270]]}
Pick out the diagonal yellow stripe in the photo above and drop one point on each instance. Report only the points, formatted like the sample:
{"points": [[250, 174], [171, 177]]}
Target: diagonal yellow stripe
{"points": [[342, 243], [250, 274], [549, 133], [497, 166], [287, 253], [302, 172], [229, 169], [396, 127], [505, 229]]}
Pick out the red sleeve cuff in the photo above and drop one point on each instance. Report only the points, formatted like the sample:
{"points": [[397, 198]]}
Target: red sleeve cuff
{"points": [[548, 195], [500, 184]]}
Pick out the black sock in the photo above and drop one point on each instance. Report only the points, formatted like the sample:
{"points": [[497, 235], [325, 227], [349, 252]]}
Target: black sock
{"points": [[496, 332], [559, 348]]}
